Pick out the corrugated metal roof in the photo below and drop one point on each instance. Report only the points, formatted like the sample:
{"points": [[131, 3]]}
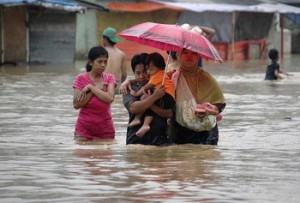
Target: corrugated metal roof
{"points": [[243, 2], [68, 5], [15, 2], [140, 7], [225, 7]]}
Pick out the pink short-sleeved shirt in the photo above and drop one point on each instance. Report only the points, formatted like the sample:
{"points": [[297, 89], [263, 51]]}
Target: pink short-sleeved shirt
{"points": [[95, 118]]}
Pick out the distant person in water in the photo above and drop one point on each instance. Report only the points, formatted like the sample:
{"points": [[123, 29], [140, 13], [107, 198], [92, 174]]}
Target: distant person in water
{"points": [[273, 71]]}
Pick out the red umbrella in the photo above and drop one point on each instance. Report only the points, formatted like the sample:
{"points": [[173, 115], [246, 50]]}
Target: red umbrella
{"points": [[171, 37]]}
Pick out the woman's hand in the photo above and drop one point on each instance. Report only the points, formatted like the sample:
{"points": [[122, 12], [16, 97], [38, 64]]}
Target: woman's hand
{"points": [[87, 88], [82, 94], [206, 109], [124, 86], [170, 73]]}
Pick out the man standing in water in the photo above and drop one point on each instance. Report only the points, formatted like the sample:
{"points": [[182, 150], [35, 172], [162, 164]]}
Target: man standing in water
{"points": [[117, 61], [157, 134]]}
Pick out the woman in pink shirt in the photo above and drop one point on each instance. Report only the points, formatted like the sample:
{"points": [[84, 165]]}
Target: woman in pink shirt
{"points": [[94, 91]]}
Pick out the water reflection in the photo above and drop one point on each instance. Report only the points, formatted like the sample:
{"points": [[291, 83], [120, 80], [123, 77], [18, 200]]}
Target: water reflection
{"points": [[132, 170], [257, 159]]}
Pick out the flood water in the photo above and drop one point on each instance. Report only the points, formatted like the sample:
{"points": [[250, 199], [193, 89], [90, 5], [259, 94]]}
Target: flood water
{"points": [[257, 159]]}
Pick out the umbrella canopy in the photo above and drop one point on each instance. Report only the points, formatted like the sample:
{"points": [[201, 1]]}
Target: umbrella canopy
{"points": [[171, 37]]}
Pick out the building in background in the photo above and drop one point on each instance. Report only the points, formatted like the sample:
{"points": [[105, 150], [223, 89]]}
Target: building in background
{"points": [[60, 32]]}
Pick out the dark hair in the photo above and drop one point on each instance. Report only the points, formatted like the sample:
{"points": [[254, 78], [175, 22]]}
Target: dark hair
{"points": [[109, 41], [94, 53], [173, 54], [138, 59], [273, 54], [157, 60]]}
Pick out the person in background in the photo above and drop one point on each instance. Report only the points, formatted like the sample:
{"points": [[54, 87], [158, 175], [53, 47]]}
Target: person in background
{"points": [[201, 30], [208, 33], [94, 91], [117, 59], [174, 64], [273, 71], [155, 66], [138, 104]]}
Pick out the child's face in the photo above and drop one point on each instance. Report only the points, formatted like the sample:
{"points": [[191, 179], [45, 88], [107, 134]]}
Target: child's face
{"points": [[152, 69]]}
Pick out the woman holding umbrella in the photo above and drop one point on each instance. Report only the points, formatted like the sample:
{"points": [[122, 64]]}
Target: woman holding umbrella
{"points": [[200, 87], [192, 123]]}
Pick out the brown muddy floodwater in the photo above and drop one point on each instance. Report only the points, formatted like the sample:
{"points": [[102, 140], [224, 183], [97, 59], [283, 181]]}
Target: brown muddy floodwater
{"points": [[257, 159]]}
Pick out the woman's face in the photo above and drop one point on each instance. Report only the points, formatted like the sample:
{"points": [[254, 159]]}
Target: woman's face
{"points": [[99, 64], [188, 58]]}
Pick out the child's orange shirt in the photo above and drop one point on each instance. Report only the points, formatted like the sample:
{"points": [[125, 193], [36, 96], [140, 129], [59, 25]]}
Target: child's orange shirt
{"points": [[156, 81]]}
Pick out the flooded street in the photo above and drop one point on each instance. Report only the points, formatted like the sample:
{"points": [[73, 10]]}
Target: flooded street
{"points": [[257, 159]]}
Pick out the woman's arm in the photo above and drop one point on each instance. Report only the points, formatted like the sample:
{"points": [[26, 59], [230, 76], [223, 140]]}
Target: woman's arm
{"points": [[108, 96], [209, 32], [80, 98]]}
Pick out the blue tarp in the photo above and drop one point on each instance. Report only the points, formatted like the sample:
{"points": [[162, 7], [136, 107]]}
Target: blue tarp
{"points": [[294, 17]]}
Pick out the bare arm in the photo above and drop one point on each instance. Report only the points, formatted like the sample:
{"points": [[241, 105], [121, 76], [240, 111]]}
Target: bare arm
{"points": [[80, 98], [123, 69], [126, 84], [278, 75], [208, 31], [142, 105], [165, 113], [142, 90], [107, 97]]}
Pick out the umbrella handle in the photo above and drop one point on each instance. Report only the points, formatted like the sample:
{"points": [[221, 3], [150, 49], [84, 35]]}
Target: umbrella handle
{"points": [[165, 73]]}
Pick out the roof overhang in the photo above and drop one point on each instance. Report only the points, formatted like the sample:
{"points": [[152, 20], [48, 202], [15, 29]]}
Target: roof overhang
{"points": [[140, 6], [221, 7], [67, 5]]}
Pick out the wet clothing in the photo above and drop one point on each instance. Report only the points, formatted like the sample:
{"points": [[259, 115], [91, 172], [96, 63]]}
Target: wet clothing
{"points": [[203, 86], [157, 133], [270, 72], [157, 79], [95, 118], [168, 100], [183, 135], [204, 89]]}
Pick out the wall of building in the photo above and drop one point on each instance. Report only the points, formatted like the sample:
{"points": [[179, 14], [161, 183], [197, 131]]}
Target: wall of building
{"points": [[14, 34], [52, 36], [123, 20], [86, 33]]}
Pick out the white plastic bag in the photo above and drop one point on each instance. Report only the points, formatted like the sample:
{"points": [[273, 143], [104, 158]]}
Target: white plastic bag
{"points": [[185, 109]]}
